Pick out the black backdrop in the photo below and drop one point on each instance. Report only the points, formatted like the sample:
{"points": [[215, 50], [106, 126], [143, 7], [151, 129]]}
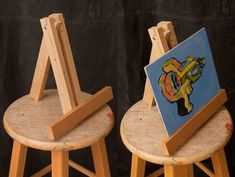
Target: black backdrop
{"points": [[111, 46]]}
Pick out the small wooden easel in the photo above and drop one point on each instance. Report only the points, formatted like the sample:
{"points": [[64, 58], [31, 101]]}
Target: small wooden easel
{"points": [[163, 39], [55, 50]]}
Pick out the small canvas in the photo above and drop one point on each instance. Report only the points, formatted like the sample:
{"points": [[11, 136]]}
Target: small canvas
{"points": [[183, 80]]}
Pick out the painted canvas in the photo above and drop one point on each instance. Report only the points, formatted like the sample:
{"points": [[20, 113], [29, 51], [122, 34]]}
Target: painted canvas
{"points": [[183, 80]]}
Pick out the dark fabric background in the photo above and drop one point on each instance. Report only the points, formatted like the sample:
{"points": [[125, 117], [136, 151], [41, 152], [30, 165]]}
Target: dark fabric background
{"points": [[111, 46]]}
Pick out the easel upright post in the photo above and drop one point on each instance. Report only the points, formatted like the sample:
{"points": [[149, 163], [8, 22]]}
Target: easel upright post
{"points": [[69, 61], [163, 38]]}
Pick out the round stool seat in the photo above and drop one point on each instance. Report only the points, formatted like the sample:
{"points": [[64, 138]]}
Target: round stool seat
{"points": [[142, 132], [26, 121]]}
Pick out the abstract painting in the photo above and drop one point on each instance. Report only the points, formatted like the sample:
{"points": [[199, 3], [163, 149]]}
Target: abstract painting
{"points": [[183, 80]]}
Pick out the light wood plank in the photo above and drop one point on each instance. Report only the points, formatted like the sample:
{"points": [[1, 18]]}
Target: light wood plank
{"points": [[58, 64], [42, 172], [173, 143], [81, 169], [60, 163], [69, 61], [68, 121], [18, 158], [137, 166], [100, 159], [220, 164], [40, 73]]}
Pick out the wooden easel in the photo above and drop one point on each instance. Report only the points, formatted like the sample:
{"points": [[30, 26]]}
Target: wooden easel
{"points": [[55, 51], [163, 39]]}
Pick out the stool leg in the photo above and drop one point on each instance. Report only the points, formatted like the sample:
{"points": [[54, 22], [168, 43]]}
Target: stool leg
{"points": [[60, 163], [178, 171], [100, 159], [220, 164], [18, 158], [137, 166]]}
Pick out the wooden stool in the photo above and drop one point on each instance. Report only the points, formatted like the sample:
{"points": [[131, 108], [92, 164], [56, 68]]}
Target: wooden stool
{"points": [[26, 122], [142, 132]]}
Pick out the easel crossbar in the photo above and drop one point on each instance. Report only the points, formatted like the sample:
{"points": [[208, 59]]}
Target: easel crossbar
{"points": [[68, 121], [181, 136]]}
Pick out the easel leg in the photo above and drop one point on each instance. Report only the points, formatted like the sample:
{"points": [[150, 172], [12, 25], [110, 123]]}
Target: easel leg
{"points": [[60, 163], [137, 166], [220, 164], [18, 158], [178, 171], [100, 159], [41, 73]]}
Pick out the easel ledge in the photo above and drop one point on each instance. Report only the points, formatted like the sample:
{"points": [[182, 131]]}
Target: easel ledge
{"points": [[181, 136], [68, 121]]}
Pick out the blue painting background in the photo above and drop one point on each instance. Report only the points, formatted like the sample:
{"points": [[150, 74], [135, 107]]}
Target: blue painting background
{"points": [[204, 89]]}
